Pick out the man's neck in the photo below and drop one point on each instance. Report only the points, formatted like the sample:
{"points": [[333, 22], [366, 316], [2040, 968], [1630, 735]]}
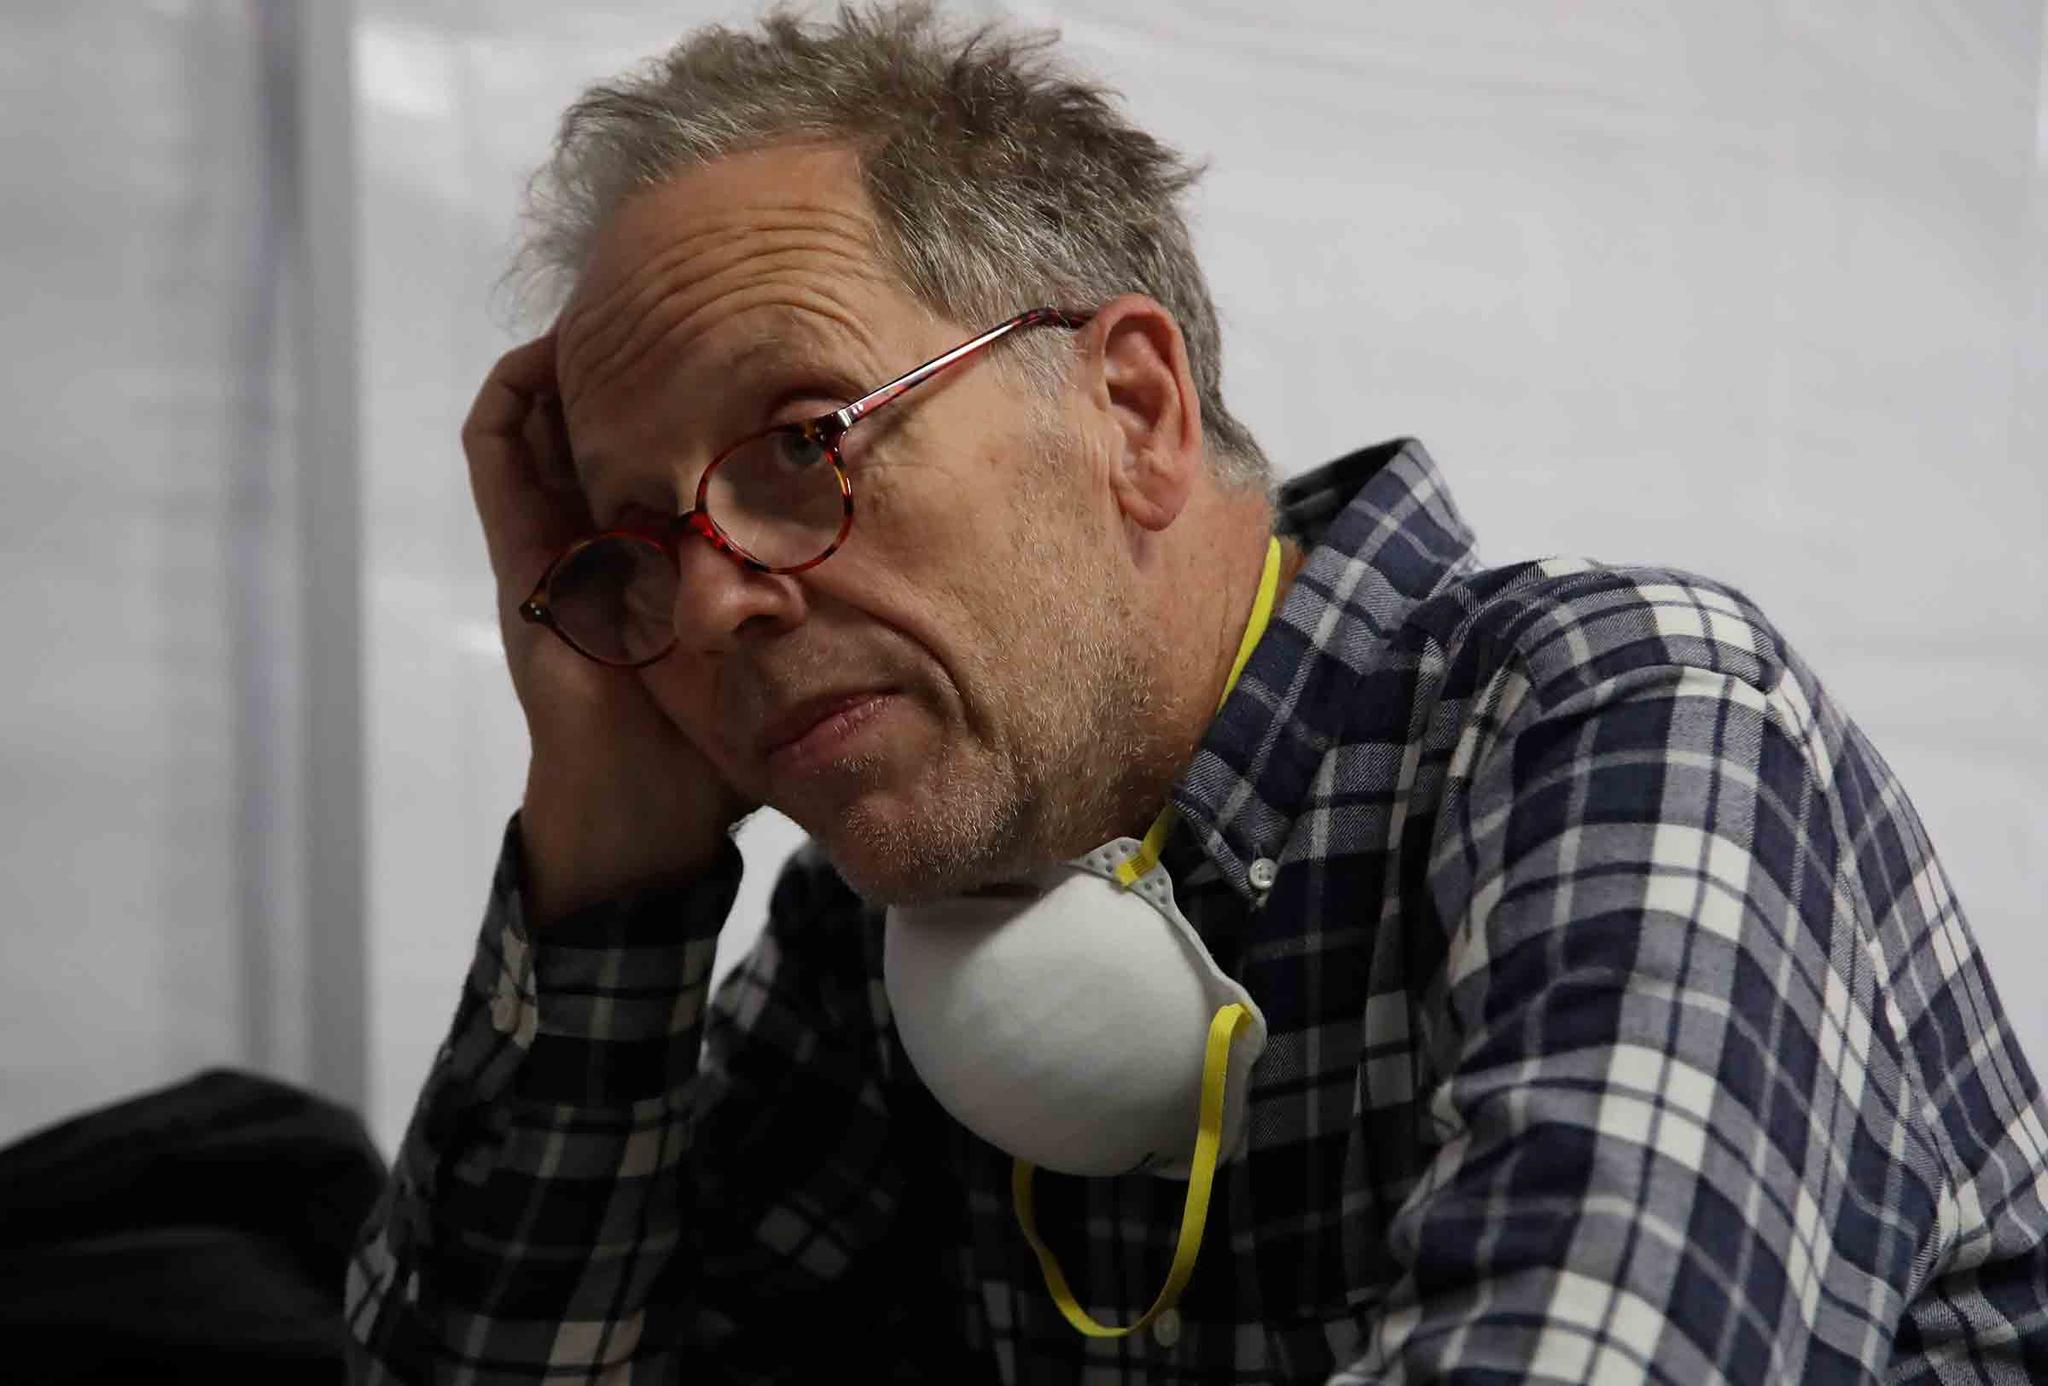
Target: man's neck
{"points": [[1241, 597], [1192, 707]]}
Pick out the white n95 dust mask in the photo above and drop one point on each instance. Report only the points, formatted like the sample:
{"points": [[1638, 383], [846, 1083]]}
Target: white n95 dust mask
{"points": [[1076, 1021]]}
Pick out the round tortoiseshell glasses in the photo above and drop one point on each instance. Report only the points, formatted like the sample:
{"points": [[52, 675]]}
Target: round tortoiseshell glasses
{"points": [[777, 501]]}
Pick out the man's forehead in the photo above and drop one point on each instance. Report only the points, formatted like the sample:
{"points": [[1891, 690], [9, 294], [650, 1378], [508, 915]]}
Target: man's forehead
{"points": [[744, 345], [710, 212], [772, 243], [630, 412]]}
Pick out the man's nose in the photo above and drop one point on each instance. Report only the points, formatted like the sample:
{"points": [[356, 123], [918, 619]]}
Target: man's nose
{"points": [[718, 596]]}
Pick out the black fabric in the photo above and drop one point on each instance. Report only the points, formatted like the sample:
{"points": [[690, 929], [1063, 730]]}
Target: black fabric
{"points": [[199, 1232]]}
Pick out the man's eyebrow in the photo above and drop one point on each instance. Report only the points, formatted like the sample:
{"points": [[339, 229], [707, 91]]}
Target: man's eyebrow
{"points": [[794, 339]]}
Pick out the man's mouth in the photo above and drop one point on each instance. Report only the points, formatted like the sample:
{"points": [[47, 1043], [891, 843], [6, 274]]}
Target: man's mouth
{"points": [[819, 729]]}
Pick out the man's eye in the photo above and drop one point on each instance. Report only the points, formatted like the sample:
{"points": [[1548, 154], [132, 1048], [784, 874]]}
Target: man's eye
{"points": [[798, 450]]}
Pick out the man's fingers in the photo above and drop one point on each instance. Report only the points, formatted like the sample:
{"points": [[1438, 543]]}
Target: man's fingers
{"points": [[524, 519], [509, 390], [547, 443]]}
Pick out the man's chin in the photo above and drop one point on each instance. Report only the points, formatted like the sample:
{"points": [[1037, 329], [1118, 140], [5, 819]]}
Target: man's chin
{"points": [[911, 858], [884, 880]]}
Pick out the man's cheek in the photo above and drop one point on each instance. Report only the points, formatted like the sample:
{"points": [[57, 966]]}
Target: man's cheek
{"points": [[696, 719]]}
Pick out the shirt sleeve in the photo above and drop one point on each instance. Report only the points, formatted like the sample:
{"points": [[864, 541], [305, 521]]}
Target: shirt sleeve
{"points": [[1677, 1140], [601, 1180]]}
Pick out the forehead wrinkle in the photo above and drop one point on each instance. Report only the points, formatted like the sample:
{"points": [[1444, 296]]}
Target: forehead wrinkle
{"points": [[603, 323], [674, 321], [660, 213], [799, 321], [612, 318], [795, 328]]}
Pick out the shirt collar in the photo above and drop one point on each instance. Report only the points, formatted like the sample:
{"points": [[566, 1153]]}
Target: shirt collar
{"points": [[1382, 534]]}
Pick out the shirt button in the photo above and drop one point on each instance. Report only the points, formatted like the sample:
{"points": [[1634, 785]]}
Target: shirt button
{"points": [[1262, 873], [1166, 1328]]}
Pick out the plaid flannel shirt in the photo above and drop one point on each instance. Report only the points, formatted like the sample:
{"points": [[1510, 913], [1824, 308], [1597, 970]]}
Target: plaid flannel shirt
{"points": [[1623, 1027]]}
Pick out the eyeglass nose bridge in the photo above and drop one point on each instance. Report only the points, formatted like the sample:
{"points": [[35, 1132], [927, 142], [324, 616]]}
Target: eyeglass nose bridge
{"points": [[697, 520], [830, 434], [830, 431]]}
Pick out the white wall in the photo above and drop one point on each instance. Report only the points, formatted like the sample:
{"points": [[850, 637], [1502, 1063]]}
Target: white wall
{"points": [[152, 840], [1750, 288]]}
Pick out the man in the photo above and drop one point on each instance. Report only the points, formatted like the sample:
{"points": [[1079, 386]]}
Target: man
{"points": [[1590, 1000]]}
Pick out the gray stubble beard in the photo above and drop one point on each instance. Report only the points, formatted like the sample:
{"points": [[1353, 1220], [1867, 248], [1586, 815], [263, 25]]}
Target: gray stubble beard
{"points": [[1080, 748]]}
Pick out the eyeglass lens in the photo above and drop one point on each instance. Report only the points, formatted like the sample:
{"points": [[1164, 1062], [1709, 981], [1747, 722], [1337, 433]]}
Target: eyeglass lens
{"points": [[776, 496]]}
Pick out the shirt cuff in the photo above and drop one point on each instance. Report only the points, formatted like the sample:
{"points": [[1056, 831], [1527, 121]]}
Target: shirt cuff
{"points": [[607, 1001]]}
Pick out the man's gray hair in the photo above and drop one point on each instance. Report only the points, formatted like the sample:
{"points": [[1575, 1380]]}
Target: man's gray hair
{"points": [[1000, 179]]}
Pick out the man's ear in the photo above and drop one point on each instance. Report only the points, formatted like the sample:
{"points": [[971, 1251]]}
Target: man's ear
{"points": [[1141, 383]]}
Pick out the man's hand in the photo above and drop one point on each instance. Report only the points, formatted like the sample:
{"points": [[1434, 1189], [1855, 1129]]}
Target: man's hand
{"points": [[617, 797]]}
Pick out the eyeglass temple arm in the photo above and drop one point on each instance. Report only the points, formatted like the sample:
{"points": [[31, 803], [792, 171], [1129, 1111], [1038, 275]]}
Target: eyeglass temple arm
{"points": [[881, 395]]}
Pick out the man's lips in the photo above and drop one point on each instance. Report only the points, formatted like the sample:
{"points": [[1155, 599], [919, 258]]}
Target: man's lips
{"points": [[787, 728]]}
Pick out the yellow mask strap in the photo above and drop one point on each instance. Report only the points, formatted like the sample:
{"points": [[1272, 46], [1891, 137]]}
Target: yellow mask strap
{"points": [[1215, 1064], [1129, 873], [1195, 1215]]}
